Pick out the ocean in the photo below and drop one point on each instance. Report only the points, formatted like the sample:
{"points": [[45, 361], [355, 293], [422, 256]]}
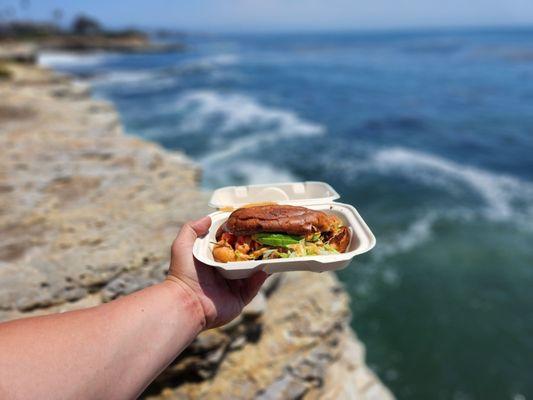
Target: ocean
{"points": [[430, 136]]}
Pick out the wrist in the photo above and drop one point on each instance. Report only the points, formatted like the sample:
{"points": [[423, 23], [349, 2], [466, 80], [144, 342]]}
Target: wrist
{"points": [[188, 298]]}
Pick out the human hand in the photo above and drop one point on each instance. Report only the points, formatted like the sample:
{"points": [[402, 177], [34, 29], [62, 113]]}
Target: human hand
{"points": [[221, 299]]}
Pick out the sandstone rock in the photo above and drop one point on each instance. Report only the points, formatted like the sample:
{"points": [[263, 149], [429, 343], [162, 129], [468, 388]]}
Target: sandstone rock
{"points": [[232, 324], [349, 378], [18, 52], [284, 388]]}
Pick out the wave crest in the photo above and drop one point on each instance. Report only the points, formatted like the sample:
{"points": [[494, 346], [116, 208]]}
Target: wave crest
{"points": [[63, 59], [239, 112], [502, 194], [246, 172]]}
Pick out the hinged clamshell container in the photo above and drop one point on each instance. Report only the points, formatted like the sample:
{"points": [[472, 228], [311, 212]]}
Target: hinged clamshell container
{"points": [[313, 195]]}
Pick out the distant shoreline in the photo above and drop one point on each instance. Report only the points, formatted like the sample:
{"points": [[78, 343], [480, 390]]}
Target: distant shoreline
{"points": [[20, 41]]}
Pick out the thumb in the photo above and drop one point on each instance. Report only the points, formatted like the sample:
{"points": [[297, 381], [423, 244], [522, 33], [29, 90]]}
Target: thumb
{"points": [[191, 230]]}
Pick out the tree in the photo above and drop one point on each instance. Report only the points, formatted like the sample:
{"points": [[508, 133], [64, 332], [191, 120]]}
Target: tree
{"points": [[57, 16], [84, 25]]}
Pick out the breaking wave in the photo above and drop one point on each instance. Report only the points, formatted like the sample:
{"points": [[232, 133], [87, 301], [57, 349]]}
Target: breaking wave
{"points": [[143, 81], [246, 172], [240, 112], [159, 76], [65, 60], [502, 194], [124, 77], [503, 197], [211, 62], [225, 118], [414, 235]]}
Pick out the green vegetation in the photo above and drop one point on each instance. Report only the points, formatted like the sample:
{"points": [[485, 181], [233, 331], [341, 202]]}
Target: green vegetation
{"points": [[81, 26], [276, 239]]}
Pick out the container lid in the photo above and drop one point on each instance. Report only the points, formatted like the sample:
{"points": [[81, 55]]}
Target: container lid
{"points": [[307, 193]]}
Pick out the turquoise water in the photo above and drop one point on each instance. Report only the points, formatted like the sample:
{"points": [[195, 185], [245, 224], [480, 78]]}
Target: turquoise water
{"points": [[428, 134]]}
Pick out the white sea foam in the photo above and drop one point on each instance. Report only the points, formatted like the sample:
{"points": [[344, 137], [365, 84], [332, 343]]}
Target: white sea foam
{"points": [[269, 125], [139, 77], [240, 112], [248, 172], [500, 192], [502, 197], [219, 60], [235, 113], [243, 146], [239, 146], [147, 80], [124, 77], [257, 173], [414, 235], [61, 59]]}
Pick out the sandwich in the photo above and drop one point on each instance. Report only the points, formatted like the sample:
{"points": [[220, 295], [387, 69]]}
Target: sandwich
{"points": [[279, 231]]}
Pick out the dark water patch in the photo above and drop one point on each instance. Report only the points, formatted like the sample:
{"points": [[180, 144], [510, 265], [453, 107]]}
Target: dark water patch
{"points": [[444, 47], [437, 334], [401, 123]]}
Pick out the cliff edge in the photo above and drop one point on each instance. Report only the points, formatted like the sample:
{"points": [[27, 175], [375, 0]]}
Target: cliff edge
{"points": [[87, 214]]}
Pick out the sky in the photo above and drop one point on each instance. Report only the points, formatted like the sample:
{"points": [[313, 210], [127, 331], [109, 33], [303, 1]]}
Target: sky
{"points": [[286, 15]]}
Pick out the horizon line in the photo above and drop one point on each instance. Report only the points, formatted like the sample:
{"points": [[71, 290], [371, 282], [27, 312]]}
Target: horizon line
{"points": [[392, 29], [319, 30]]}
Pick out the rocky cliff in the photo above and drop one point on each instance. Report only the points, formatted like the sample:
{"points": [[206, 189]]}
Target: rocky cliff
{"points": [[88, 213]]}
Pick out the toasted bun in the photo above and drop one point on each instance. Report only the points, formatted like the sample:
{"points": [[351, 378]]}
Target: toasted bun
{"points": [[292, 220]]}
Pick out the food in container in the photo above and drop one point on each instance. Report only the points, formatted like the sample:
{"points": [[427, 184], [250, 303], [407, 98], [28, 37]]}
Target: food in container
{"points": [[288, 231], [265, 232]]}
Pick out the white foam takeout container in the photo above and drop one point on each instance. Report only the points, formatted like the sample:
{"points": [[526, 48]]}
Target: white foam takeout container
{"points": [[313, 195]]}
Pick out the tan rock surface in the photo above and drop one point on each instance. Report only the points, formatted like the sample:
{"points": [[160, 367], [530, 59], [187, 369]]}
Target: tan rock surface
{"points": [[81, 203], [18, 52], [87, 214]]}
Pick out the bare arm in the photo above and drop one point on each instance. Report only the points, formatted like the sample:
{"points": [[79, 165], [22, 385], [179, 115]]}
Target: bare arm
{"points": [[115, 350]]}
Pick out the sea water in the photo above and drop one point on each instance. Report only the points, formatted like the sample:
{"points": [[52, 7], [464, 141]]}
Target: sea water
{"points": [[428, 134]]}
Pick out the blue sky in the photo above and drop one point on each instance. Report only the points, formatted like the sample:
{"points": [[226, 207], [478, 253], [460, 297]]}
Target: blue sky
{"points": [[251, 15]]}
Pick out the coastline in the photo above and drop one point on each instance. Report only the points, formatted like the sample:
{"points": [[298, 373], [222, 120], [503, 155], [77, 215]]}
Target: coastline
{"points": [[68, 171]]}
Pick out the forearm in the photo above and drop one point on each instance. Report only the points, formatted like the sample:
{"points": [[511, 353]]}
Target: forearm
{"points": [[109, 351]]}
